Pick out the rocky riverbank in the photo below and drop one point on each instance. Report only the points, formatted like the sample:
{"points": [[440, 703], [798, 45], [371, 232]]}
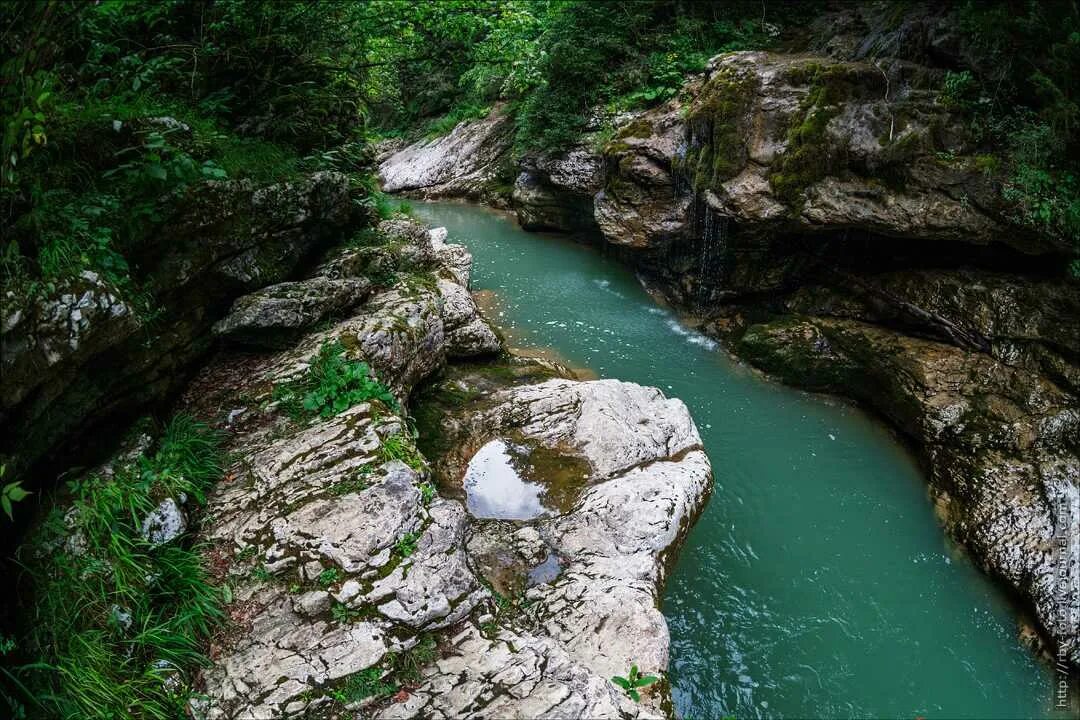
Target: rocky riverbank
{"points": [[831, 220], [354, 574]]}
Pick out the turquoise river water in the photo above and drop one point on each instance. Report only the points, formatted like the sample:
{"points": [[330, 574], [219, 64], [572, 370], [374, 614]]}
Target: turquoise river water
{"points": [[817, 582]]}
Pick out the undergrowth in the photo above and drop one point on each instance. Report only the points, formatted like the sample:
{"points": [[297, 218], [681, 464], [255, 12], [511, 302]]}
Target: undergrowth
{"points": [[117, 623], [332, 385]]}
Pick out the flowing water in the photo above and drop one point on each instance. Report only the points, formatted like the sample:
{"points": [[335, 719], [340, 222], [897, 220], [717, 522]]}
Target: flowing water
{"points": [[817, 582]]}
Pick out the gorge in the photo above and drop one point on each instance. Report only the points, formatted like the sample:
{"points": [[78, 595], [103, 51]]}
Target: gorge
{"points": [[540, 359]]}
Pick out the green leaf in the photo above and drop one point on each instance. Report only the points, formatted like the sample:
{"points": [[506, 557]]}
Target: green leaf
{"points": [[6, 504], [621, 682], [634, 695], [15, 492], [645, 680], [157, 172]]}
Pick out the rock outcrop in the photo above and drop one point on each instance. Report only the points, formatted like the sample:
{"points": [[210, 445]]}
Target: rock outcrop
{"points": [[841, 203], [221, 239], [470, 161], [1001, 443], [365, 570], [555, 192]]}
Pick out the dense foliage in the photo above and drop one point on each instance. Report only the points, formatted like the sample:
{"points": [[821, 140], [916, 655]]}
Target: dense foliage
{"points": [[111, 107], [1021, 94], [118, 619]]}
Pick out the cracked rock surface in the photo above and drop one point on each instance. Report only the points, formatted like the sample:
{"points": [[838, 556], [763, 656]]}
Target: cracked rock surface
{"points": [[343, 557]]}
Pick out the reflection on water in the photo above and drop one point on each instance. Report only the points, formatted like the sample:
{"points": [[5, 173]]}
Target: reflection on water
{"points": [[495, 489]]}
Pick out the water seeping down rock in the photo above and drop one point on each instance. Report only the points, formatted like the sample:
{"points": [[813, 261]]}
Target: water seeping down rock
{"points": [[362, 563], [828, 217]]}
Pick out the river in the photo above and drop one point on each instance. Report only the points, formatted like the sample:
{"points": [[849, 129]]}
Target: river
{"points": [[817, 582]]}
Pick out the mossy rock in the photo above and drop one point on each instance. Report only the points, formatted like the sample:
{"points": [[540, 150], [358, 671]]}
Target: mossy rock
{"points": [[718, 124]]}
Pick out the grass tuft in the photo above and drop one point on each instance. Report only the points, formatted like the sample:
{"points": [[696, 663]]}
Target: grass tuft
{"points": [[115, 616]]}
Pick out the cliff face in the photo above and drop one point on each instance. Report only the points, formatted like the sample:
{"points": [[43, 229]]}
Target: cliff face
{"points": [[80, 355], [831, 219]]}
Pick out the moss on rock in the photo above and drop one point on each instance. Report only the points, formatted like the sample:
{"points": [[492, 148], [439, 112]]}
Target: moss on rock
{"points": [[718, 124]]}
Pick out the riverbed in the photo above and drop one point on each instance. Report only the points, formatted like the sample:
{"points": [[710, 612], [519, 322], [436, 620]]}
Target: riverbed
{"points": [[817, 582]]}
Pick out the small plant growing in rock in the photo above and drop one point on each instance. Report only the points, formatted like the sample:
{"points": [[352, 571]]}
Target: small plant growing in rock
{"points": [[399, 447], [332, 385], [633, 681], [343, 614], [362, 685], [406, 544], [407, 665], [328, 577], [337, 384], [427, 493]]}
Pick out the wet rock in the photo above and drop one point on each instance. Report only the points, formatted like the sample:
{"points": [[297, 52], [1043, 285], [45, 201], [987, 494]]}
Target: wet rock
{"points": [[555, 192], [467, 162], [468, 334], [872, 162], [643, 203], [273, 315]]}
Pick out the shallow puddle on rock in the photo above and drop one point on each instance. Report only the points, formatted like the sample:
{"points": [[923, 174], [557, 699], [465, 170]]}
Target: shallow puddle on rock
{"points": [[545, 572], [510, 481], [494, 487]]}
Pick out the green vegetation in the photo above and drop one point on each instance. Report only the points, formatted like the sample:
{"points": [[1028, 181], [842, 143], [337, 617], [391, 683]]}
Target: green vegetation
{"points": [[552, 62], [808, 157], [111, 108], [1022, 102], [114, 615], [328, 577], [362, 685], [386, 678], [718, 124], [406, 544], [400, 447], [633, 681], [12, 492], [332, 385]]}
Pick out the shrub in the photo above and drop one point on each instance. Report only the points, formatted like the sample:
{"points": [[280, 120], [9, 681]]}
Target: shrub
{"points": [[332, 385]]}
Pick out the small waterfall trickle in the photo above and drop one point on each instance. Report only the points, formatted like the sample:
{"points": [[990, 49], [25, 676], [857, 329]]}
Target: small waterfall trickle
{"points": [[711, 232]]}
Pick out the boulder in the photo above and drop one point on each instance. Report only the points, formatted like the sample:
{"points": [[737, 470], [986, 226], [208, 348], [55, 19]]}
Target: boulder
{"points": [[467, 162], [468, 334], [555, 192], [274, 315]]}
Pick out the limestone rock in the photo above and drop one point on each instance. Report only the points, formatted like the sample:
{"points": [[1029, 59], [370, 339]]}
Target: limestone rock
{"points": [[273, 315], [467, 332], [165, 523], [463, 163], [555, 192]]}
